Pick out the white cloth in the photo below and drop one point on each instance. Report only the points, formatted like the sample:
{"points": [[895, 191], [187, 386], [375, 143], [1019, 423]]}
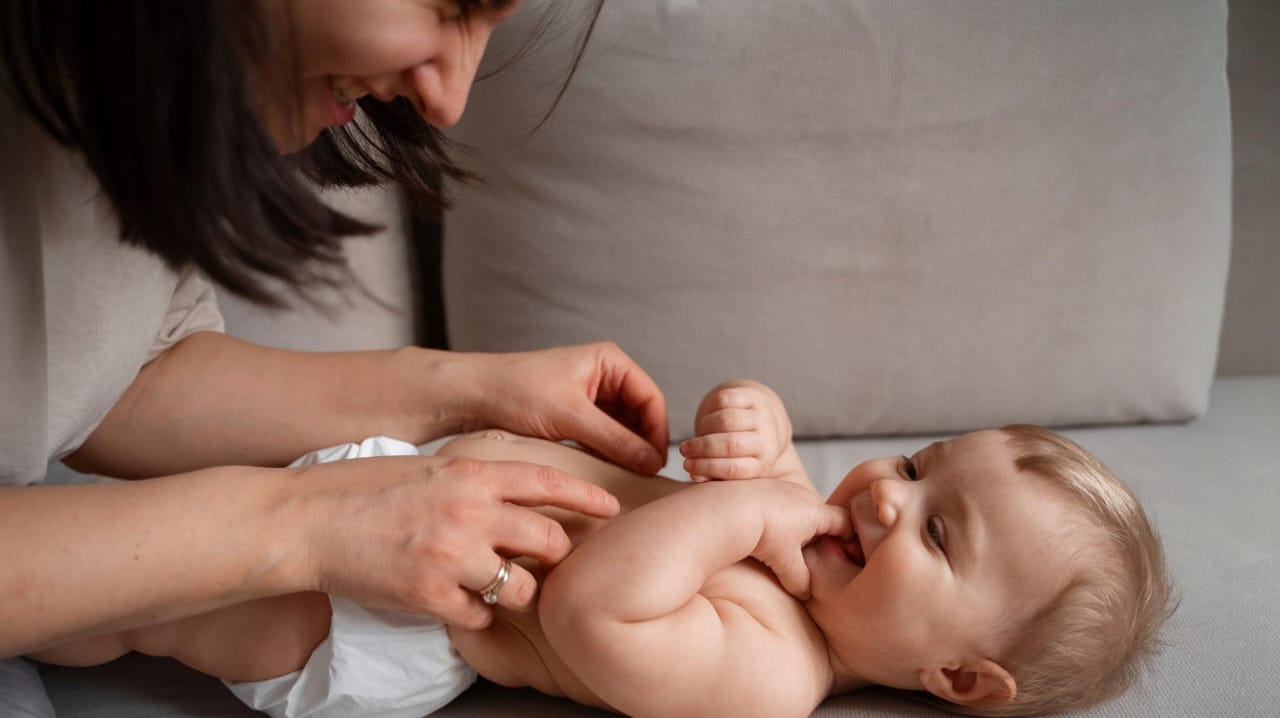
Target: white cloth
{"points": [[80, 313], [374, 663]]}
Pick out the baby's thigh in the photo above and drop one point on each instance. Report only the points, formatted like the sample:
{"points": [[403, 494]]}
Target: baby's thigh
{"points": [[250, 641]]}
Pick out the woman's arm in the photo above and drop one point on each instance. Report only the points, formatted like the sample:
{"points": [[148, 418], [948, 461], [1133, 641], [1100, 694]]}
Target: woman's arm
{"points": [[81, 560], [213, 400], [416, 534], [628, 613]]}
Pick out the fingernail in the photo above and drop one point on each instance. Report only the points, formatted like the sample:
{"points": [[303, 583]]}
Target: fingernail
{"points": [[647, 462]]}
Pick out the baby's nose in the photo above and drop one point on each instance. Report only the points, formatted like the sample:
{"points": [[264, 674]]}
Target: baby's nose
{"points": [[887, 494]]}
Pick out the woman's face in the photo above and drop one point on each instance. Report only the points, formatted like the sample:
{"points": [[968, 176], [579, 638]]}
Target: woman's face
{"points": [[424, 50]]}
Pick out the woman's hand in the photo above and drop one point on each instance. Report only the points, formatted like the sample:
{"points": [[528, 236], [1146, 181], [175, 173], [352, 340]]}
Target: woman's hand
{"points": [[742, 431], [425, 534], [593, 394]]}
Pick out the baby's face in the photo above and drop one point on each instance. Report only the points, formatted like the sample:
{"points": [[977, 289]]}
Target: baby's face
{"points": [[952, 543]]}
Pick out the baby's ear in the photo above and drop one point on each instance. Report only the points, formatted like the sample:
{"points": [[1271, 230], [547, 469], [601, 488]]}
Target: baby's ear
{"points": [[980, 682]]}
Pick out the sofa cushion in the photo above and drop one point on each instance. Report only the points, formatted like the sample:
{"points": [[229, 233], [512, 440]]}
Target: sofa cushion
{"points": [[904, 217], [1209, 486]]}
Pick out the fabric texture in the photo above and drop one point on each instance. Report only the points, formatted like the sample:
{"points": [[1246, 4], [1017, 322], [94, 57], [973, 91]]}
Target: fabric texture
{"points": [[374, 663], [79, 312], [22, 694], [904, 217], [381, 312]]}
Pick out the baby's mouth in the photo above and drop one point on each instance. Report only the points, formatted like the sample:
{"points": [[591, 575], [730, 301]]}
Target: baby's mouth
{"points": [[853, 549]]}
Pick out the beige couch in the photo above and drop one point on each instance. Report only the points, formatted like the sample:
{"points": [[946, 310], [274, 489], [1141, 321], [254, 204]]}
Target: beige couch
{"points": [[799, 191]]}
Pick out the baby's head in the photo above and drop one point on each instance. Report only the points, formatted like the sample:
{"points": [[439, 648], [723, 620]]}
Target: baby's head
{"points": [[1006, 572]]}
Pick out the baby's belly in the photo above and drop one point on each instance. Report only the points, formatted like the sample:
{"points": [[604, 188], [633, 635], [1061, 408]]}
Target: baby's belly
{"points": [[513, 651]]}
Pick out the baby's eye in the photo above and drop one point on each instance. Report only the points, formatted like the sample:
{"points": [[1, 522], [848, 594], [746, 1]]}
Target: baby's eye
{"points": [[908, 468], [934, 529]]}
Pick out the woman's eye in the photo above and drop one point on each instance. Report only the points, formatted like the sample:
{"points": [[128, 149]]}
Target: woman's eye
{"points": [[934, 529], [909, 469], [453, 10]]}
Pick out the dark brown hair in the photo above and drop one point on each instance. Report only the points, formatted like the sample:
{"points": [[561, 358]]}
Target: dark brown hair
{"points": [[158, 96]]}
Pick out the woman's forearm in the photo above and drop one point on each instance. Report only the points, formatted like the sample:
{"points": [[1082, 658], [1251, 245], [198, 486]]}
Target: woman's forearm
{"points": [[84, 560], [215, 400]]}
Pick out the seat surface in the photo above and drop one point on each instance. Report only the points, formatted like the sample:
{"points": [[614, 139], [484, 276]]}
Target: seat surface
{"points": [[1211, 486]]}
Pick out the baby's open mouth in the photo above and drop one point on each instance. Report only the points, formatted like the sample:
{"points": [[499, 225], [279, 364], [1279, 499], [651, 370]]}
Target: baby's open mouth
{"points": [[853, 549]]}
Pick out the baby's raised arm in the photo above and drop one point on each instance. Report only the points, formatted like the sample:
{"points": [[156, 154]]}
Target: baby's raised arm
{"points": [[743, 432], [654, 615]]}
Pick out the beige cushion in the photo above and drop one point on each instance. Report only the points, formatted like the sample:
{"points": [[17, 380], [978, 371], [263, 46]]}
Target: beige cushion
{"points": [[385, 318], [905, 217]]}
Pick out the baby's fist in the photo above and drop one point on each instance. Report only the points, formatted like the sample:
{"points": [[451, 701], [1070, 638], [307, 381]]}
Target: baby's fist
{"points": [[742, 428]]}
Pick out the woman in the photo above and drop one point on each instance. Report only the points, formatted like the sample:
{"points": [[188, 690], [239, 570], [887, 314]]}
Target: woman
{"points": [[180, 127]]}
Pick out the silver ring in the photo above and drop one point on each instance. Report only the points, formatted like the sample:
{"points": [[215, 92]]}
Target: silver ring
{"points": [[490, 593]]}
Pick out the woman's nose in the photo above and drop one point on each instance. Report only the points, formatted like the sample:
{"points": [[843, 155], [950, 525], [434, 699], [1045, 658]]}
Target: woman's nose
{"points": [[444, 83], [443, 92]]}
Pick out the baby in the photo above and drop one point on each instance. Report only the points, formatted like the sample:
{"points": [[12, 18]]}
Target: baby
{"points": [[1001, 572]]}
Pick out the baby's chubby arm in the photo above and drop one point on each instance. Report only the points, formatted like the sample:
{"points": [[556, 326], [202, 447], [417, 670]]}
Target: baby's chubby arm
{"points": [[743, 432], [632, 613]]}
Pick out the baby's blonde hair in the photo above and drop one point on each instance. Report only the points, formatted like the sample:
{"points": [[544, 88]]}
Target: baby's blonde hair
{"points": [[1093, 639]]}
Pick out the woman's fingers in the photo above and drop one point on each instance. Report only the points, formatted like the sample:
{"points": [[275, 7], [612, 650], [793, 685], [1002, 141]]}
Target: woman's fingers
{"points": [[521, 532], [603, 434], [638, 434], [461, 607], [538, 485], [465, 606], [516, 593]]}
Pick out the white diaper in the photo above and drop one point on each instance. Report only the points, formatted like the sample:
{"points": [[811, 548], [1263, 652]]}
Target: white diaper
{"points": [[374, 662], [375, 446]]}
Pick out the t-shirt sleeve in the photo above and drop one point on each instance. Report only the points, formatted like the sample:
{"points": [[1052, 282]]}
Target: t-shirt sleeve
{"points": [[193, 308]]}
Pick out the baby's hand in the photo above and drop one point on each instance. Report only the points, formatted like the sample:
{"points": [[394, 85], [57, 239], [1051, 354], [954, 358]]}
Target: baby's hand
{"points": [[793, 517], [742, 428]]}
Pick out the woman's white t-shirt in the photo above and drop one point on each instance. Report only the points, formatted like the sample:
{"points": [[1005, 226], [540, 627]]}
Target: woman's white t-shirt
{"points": [[80, 313]]}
